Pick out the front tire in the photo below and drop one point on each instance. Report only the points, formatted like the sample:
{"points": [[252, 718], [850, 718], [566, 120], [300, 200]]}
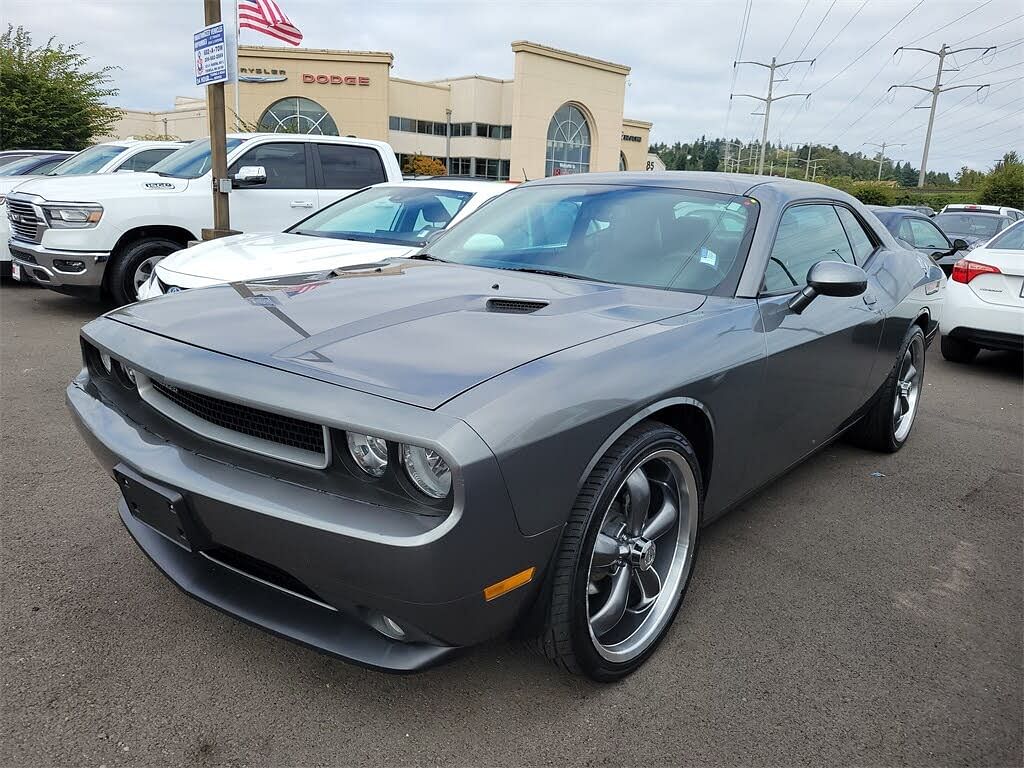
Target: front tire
{"points": [[958, 350], [134, 264], [626, 555], [886, 426]]}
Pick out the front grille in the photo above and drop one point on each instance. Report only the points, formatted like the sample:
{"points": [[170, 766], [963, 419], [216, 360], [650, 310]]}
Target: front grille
{"points": [[515, 306], [263, 425], [23, 220]]}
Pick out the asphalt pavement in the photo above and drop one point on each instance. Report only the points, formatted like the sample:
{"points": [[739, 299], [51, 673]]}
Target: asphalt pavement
{"points": [[865, 609]]}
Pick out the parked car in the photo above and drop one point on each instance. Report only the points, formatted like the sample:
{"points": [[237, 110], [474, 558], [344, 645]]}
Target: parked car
{"points": [[11, 155], [975, 228], [34, 165], [919, 232], [379, 222], [524, 426], [109, 157], [116, 229], [927, 210], [1014, 214], [985, 299]]}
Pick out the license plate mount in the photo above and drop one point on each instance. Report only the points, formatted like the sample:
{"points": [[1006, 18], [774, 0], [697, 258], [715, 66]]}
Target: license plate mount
{"points": [[16, 270], [159, 507]]}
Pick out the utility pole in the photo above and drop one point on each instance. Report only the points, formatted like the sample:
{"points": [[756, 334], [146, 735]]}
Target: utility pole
{"points": [[448, 141], [935, 90], [769, 98], [218, 145], [881, 153], [725, 162], [808, 161], [812, 166]]}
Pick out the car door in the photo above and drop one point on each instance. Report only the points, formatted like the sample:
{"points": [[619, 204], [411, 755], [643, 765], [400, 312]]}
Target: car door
{"points": [[288, 195], [928, 238], [818, 362], [344, 168]]}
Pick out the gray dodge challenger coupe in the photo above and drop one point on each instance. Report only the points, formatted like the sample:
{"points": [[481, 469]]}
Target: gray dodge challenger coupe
{"points": [[522, 427]]}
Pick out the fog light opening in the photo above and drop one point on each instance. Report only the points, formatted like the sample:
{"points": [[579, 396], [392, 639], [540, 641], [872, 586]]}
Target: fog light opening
{"points": [[388, 627]]}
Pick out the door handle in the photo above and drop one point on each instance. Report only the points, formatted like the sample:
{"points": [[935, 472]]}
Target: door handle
{"points": [[869, 298], [302, 203]]}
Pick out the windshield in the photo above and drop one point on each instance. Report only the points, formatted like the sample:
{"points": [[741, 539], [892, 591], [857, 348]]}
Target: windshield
{"points": [[678, 239], [18, 167], [190, 162], [396, 215], [977, 225], [1010, 240], [89, 160]]}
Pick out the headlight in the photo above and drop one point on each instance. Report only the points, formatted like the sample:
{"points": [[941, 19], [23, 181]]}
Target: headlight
{"points": [[427, 471], [368, 452], [3, 199], [76, 216]]}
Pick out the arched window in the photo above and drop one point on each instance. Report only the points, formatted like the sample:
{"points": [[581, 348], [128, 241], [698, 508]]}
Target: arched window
{"points": [[622, 161], [298, 115], [568, 142]]}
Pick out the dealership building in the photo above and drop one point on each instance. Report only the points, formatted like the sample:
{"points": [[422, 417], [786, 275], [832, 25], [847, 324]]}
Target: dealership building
{"points": [[561, 112]]}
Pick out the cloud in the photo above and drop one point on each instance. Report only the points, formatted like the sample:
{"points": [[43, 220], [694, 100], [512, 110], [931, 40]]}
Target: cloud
{"points": [[681, 56]]}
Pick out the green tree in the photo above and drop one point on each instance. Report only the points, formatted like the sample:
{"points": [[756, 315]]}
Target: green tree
{"points": [[710, 161], [49, 97], [969, 178], [1005, 184]]}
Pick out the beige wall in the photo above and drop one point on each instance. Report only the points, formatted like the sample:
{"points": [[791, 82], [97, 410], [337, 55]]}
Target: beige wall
{"points": [[545, 79], [360, 110], [635, 151]]}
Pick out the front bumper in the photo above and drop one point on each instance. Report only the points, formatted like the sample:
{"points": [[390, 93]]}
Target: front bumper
{"points": [[356, 559], [78, 273]]}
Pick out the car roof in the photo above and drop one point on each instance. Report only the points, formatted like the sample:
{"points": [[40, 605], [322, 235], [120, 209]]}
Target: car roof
{"points": [[308, 137], [727, 183], [458, 185]]}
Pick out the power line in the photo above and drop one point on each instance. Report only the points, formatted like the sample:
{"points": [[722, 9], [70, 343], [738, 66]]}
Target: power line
{"points": [[954, 21], [1000, 25], [740, 43], [937, 89], [793, 28]]}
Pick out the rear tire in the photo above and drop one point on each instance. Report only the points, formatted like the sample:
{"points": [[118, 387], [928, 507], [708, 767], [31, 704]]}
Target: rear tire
{"points": [[886, 426], [958, 350], [135, 262], [656, 464]]}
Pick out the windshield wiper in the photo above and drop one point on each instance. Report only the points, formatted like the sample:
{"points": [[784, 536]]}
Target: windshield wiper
{"points": [[551, 272], [427, 257]]}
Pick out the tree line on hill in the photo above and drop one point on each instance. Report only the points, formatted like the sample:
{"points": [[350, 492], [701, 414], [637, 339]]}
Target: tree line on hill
{"points": [[854, 172]]}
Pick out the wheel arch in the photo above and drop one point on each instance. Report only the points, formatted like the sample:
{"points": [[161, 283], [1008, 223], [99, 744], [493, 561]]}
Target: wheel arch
{"points": [[686, 414], [169, 231]]}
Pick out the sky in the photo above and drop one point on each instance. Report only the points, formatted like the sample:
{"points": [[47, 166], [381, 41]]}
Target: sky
{"points": [[681, 54]]}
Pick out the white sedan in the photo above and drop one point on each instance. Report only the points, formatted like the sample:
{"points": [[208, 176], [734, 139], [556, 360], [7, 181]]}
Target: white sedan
{"points": [[379, 222], [985, 299]]}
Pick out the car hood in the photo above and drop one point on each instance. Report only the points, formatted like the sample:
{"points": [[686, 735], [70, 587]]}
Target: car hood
{"points": [[7, 183], [96, 187], [255, 256], [415, 331]]}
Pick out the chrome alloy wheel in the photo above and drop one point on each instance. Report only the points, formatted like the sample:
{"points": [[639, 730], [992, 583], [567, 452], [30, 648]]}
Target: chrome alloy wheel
{"points": [[908, 390], [642, 556], [144, 271]]}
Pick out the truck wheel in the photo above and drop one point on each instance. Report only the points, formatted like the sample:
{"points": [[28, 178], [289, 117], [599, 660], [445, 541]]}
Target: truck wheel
{"points": [[133, 266], [626, 555]]}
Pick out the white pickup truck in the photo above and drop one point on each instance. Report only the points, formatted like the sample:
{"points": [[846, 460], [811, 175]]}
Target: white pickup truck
{"points": [[108, 157], [96, 235]]}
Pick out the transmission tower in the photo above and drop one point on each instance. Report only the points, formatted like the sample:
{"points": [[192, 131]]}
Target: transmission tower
{"points": [[935, 90], [881, 153], [769, 98]]}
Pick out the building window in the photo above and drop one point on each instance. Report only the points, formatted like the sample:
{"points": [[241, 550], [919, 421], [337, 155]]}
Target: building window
{"points": [[491, 131], [462, 166], [568, 142], [622, 161], [489, 168], [298, 115]]}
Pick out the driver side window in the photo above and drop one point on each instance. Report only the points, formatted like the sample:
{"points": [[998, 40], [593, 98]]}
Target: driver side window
{"points": [[927, 235], [807, 234]]}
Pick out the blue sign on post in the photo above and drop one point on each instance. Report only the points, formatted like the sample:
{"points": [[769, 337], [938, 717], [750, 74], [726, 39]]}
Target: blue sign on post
{"points": [[211, 55]]}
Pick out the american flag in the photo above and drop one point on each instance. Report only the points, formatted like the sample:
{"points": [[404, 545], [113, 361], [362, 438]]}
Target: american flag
{"points": [[267, 17]]}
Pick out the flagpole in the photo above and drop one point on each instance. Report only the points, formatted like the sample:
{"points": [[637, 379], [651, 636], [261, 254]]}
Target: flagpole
{"points": [[238, 81]]}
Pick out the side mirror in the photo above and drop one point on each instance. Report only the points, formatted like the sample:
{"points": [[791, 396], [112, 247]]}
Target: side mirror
{"points": [[249, 176], [960, 245], [830, 278]]}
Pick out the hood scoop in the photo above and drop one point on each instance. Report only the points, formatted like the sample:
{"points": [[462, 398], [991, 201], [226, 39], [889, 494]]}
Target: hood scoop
{"points": [[515, 306]]}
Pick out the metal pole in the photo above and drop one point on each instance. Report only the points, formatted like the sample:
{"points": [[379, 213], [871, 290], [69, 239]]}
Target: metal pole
{"points": [[238, 82], [936, 90], [807, 170], [767, 112], [786, 172], [448, 142], [218, 144], [881, 159]]}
